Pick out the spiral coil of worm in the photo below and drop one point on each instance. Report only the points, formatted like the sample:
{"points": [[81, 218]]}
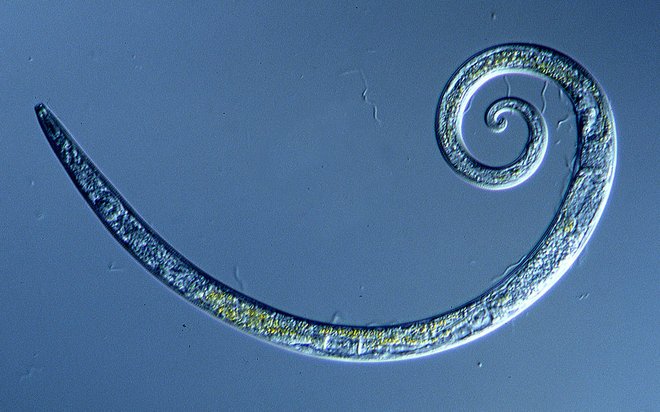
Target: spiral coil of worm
{"points": [[547, 261]]}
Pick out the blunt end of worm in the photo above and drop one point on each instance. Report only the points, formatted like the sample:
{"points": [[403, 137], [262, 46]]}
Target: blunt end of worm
{"points": [[41, 110], [49, 124]]}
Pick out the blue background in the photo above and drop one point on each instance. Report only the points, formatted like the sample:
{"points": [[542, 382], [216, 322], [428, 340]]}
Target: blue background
{"points": [[242, 133]]}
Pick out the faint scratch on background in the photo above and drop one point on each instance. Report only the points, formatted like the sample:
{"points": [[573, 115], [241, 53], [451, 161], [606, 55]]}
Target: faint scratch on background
{"points": [[238, 279], [562, 121], [336, 318], [365, 99], [545, 87], [508, 270], [468, 106], [113, 268]]}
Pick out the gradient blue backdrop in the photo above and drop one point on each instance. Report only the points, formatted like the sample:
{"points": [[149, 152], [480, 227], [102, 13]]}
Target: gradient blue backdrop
{"points": [[242, 132]]}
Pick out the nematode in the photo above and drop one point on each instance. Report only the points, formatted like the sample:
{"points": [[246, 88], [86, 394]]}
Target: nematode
{"points": [[542, 267]]}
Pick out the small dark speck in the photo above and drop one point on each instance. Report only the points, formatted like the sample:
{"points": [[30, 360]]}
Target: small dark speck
{"points": [[493, 16], [30, 59], [184, 325], [479, 364]]}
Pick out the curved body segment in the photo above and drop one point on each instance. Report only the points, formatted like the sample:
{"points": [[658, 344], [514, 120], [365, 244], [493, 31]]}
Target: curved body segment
{"points": [[548, 260]]}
